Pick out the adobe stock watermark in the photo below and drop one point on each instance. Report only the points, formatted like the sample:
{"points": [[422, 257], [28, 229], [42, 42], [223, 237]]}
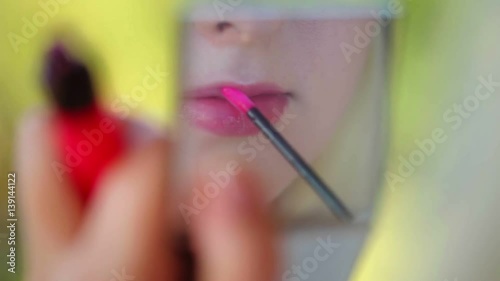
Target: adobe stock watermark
{"points": [[303, 271], [454, 116], [11, 222], [121, 107], [221, 7], [31, 26], [220, 180], [372, 29]]}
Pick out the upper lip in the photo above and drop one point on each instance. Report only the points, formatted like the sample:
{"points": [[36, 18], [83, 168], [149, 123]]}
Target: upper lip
{"points": [[251, 90]]}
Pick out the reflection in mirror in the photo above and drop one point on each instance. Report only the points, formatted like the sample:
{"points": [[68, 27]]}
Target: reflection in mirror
{"points": [[320, 80]]}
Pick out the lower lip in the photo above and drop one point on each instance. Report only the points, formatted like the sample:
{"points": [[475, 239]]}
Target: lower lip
{"points": [[218, 116]]}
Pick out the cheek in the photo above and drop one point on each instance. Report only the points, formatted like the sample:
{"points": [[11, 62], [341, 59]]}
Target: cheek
{"points": [[316, 48], [325, 84]]}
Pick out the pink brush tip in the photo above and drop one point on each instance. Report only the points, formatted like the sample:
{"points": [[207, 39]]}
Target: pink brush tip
{"points": [[238, 99]]}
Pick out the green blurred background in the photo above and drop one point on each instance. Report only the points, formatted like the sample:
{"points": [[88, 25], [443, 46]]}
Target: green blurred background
{"points": [[440, 224]]}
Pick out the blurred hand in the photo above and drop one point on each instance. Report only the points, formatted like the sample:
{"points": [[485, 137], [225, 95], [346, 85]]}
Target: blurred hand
{"points": [[129, 230]]}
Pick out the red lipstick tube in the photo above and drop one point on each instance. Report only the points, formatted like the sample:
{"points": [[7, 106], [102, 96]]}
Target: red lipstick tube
{"points": [[89, 138]]}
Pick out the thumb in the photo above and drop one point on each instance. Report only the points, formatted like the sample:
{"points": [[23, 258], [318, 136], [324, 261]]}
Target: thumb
{"points": [[50, 208], [129, 217]]}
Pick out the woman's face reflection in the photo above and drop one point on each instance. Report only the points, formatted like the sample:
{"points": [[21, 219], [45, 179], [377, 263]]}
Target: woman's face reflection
{"points": [[294, 70]]}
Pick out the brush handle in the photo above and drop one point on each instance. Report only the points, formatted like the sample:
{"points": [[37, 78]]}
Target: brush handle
{"points": [[330, 199]]}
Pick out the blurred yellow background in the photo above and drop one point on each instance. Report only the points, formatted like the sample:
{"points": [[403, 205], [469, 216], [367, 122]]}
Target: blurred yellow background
{"points": [[132, 38]]}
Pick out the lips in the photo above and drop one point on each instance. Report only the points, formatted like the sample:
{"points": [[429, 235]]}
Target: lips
{"points": [[208, 110]]}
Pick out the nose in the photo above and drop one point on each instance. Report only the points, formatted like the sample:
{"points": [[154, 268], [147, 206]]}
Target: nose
{"points": [[232, 33]]}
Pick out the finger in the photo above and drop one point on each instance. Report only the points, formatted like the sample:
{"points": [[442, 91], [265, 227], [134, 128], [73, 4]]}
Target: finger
{"points": [[50, 209], [234, 237], [128, 218]]}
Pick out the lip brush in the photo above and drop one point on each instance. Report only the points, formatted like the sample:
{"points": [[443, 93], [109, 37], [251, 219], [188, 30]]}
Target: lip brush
{"points": [[243, 103]]}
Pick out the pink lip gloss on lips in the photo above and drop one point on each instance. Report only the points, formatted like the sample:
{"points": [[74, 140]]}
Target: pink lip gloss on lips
{"points": [[207, 109]]}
